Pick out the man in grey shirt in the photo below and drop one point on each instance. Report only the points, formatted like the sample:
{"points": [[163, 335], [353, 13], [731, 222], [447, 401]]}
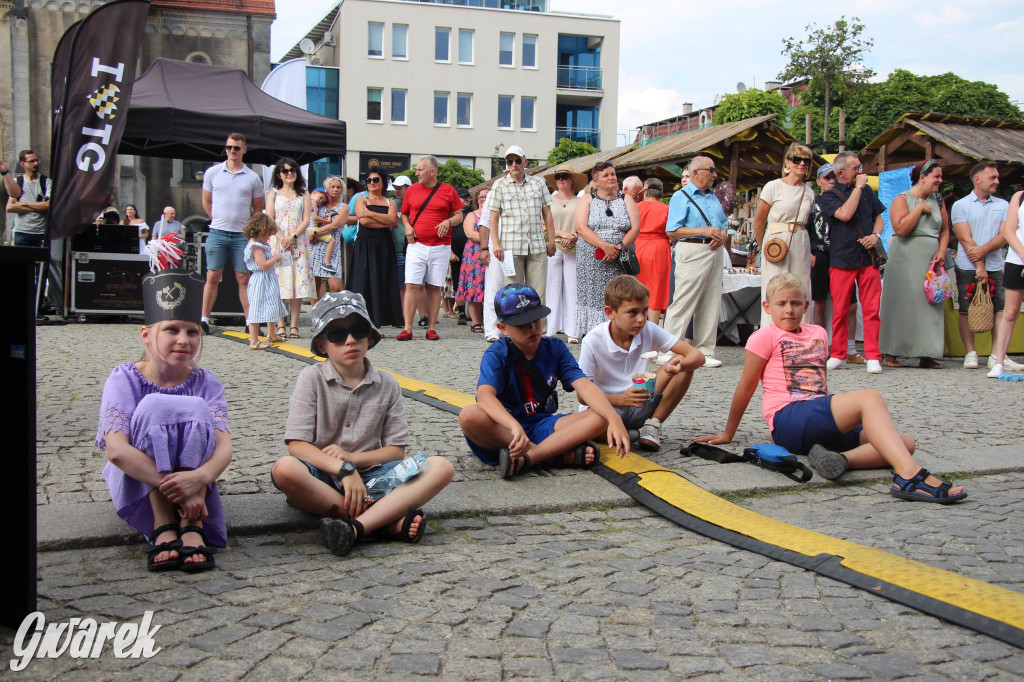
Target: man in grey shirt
{"points": [[31, 208], [231, 193], [167, 224]]}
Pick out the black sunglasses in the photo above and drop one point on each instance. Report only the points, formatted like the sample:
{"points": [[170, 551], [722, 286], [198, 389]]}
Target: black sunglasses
{"points": [[288, 171], [371, 181], [358, 331], [232, 148], [601, 165], [513, 161], [797, 160]]}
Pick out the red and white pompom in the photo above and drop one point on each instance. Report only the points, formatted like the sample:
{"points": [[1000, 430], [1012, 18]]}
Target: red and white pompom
{"points": [[164, 252]]}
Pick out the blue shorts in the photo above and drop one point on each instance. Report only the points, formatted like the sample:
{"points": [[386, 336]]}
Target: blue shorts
{"points": [[221, 244], [537, 427], [321, 475], [635, 417], [804, 423]]}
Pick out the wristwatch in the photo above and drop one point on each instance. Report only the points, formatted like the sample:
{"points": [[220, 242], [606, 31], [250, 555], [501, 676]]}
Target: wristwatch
{"points": [[346, 469]]}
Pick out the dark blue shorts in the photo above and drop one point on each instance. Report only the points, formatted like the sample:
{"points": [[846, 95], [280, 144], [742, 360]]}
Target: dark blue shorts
{"points": [[537, 427], [804, 423], [321, 475]]}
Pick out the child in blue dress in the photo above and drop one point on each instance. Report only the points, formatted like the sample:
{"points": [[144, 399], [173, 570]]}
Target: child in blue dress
{"points": [[265, 304]]}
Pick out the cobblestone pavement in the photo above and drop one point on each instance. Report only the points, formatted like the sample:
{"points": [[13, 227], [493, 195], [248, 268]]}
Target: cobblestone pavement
{"points": [[942, 409], [602, 594]]}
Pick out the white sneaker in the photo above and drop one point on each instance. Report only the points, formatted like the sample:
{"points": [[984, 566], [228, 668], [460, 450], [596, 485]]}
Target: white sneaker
{"points": [[835, 363], [650, 434], [971, 360], [874, 367], [712, 361], [1011, 366], [995, 372]]}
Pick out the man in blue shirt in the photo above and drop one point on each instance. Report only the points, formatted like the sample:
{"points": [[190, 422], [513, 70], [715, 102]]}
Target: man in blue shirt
{"points": [[976, 220], [696, 226]]}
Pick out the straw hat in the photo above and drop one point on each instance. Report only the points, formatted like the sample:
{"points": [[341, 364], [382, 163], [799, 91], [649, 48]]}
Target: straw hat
{"points": [[578, 179]]}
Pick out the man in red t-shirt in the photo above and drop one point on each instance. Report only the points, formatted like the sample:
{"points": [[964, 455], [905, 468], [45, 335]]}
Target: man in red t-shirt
{"points": [[430, 209]]}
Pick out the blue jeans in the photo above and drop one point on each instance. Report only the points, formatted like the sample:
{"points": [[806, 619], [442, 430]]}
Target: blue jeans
{"points": [[28, 239], [220, 245]]}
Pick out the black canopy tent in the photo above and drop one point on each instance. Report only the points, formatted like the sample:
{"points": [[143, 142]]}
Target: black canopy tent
{"points": [[184, 110]]}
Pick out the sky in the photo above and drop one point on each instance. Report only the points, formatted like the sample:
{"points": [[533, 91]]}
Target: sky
{"points": [[674, 51]]}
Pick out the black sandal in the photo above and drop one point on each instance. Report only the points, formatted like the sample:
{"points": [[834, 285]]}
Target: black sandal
{"points": [[580, 455], [383, 533], [477, 329], [294, 333], [172, 546], [186, 552], [509, 466]]}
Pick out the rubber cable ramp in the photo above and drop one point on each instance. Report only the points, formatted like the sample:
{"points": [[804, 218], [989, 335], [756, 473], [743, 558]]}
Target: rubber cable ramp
{"points": [[989, 609]]}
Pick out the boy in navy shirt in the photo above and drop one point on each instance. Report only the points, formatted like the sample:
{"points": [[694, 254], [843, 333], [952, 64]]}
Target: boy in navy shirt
{"points": [[514, 422]]}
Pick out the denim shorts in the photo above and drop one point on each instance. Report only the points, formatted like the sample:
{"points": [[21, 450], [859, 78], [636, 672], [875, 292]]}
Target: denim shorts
{"points": [[220, 245], [635, 417], [965, 277], [321, 475], [537, 428], [804, 423]]}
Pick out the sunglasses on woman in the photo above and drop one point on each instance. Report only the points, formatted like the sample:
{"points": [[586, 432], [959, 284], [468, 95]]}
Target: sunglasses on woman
{"points": [[339, 335], [798, 160], [288, 171], [372, 181], [601, 165]]}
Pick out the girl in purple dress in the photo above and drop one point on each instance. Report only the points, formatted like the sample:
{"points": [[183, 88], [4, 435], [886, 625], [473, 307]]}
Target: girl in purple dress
{"points": [[164, 426]]}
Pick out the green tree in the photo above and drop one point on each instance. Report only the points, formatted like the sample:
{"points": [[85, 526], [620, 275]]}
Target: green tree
{"points": [[830, 56], [874, 107], [748, 104], [568, 149]]}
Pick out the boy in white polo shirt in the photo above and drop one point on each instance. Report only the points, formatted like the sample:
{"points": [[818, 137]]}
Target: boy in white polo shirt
{"points": [[612, 352]]}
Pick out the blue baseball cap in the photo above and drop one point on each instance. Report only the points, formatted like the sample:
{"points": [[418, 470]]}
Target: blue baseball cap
{"points": [[519, 303]]}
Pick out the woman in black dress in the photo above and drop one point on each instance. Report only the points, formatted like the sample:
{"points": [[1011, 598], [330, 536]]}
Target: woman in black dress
{"points": [[373, 258]]}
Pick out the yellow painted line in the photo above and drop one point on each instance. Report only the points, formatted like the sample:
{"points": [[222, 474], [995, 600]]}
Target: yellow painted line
{"points": [[972, 595]]}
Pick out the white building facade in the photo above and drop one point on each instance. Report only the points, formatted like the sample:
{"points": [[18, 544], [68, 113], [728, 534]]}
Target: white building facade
{"points": [[461, 81]]}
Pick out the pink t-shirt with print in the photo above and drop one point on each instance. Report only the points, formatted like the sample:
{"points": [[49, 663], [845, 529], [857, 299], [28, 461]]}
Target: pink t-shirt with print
{"points": [[796, 366]]}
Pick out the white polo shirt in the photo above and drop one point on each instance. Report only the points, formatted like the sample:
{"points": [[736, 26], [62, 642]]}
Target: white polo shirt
{"points": [[611, 367], [232, 195]]}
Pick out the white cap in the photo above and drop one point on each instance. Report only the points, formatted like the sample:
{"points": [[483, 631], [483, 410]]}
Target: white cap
{"points": [[515, 150], [401, 181]]}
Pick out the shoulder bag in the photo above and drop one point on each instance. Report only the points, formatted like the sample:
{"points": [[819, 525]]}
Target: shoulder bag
{"points": [[776, 249], [877, 253]]}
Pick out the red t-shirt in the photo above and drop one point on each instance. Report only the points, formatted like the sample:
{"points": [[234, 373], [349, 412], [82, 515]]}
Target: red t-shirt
{"points": [[444, 202]]}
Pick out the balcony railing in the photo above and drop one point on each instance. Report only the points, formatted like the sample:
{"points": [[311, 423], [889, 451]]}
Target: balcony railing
{"points": [[579, 77], [591, 135]]}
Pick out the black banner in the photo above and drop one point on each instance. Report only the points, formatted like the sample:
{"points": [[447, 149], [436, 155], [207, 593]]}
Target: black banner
{"points": [[93, 72]]}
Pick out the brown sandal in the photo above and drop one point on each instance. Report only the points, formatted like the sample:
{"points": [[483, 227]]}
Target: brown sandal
{"points": [[928, 363], [891, 361]]}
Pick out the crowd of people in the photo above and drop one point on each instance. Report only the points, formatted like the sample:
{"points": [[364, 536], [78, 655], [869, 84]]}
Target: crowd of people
{"points": [[163, 420]]}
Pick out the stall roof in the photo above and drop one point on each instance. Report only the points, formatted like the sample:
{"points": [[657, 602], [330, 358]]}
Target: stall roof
{"points": [[958, 142], [185, 110]]}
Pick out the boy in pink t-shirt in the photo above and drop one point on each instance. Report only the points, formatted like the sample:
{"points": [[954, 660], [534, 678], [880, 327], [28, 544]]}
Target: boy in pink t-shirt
{"points": [[789, 359]]}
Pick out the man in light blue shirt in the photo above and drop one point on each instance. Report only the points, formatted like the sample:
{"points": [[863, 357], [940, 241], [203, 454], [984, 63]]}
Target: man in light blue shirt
{"points": [[697, 227], [976, 219]]}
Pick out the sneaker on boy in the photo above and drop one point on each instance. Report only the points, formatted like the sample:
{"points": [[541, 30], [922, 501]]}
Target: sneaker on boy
{"points": [[512, 423], [616, 351]]}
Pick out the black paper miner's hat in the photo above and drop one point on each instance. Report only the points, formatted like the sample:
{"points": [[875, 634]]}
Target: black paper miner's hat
{"points": [[172, 294]]}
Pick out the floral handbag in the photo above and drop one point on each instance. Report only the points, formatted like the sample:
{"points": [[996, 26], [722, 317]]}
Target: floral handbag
{"points": [[937, 284]]}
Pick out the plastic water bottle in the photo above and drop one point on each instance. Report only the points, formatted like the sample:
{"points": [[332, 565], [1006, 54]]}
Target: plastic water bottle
{"points": [[379, 486], [1011, 377]]}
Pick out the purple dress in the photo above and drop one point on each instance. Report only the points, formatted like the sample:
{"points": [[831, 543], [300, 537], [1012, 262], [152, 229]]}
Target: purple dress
{"points": [[174, 426]]}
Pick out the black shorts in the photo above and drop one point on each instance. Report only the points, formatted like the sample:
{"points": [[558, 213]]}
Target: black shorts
{"points": [[1013, 276]]}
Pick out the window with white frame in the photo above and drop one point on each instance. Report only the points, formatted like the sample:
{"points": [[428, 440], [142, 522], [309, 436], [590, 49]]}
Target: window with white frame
{"points": [[399, 41], [442, 44], [527, 110], [375, 40], [373, 109], [464, 109], [441, 108], [529, 51], [398, 105], [505, 112], [506, 49], [465, 46]]}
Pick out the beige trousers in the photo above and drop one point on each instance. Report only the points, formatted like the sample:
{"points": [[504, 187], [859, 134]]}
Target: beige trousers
{"points": [[698, 294], [531, 269]]}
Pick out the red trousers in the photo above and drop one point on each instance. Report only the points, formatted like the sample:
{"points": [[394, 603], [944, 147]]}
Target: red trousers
{"points": [[869, 287]]}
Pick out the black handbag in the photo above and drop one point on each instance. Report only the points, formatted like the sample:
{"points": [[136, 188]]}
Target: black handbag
{"points": [[628, 261]]}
